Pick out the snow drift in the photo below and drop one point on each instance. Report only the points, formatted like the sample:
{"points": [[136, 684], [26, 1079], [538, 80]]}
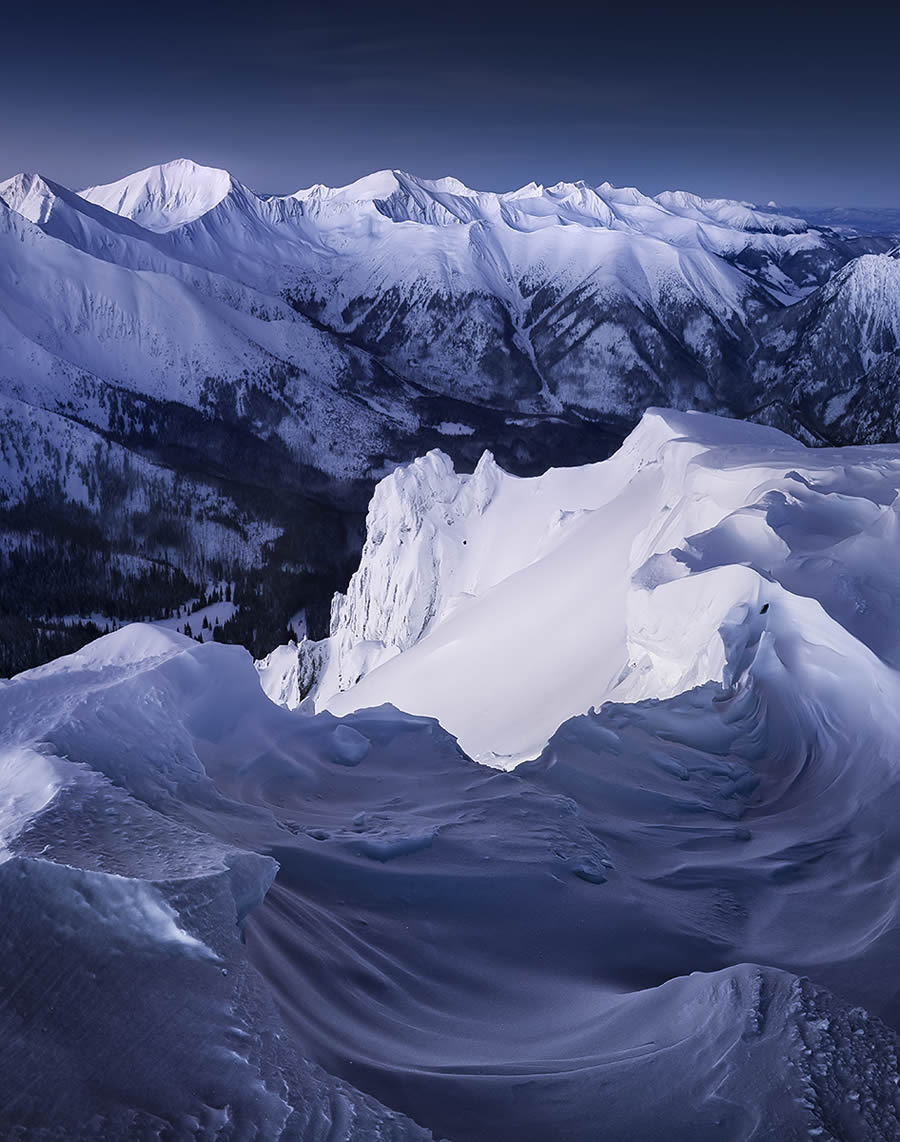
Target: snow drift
{"points": [[501, 956], [503, 606], [678, 919]]}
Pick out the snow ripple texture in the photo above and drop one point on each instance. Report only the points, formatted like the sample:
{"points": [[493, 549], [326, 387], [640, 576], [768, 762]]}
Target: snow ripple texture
{"points": [[673, 921]]}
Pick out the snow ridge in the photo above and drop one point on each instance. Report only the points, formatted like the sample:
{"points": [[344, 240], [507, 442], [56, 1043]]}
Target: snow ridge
{"points": [[462, 605]]}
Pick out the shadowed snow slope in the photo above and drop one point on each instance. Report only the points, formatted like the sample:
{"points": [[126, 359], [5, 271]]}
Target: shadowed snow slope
{"points": [[678, 920], [128, 1008], [499, 956]]}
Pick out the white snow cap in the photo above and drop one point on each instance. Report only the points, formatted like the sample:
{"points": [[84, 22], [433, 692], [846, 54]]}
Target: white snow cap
{"points": [[29, 195], [504, 606], [164, 197]]}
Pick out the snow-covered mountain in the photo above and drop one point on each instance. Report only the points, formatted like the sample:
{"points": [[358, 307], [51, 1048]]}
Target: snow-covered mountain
{"points": [[839, 350], [570, 296], [503, 606], [541, 299], [598, 299], [174, 345], [162, 198], [677, 920]]}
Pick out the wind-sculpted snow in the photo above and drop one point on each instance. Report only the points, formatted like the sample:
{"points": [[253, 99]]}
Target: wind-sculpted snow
{"points": [[498, 955], [226, 919], [128, 1008], [503, 606]]}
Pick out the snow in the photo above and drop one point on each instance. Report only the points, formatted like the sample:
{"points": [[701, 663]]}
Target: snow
{"points": [[215, 614], [121, 914], [354, 229], [132, 911], [349, 746], [380, 184], [130, 648], [164, 197], [504, 606], [867, 291], [738, 215], [677, 913], [174, 281], [29, 781], [29, 195], [680, 918], [113, 309]]}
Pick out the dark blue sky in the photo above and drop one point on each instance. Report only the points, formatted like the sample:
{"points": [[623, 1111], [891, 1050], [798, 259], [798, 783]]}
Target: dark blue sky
{"points": [[757, 102]]}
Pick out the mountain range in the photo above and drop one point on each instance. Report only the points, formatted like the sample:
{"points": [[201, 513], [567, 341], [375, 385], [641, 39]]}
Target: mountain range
{"points": [[201, 384]]}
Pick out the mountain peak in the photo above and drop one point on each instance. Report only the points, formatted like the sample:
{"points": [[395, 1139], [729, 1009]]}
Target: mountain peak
{"points": [[165, 196], [737, 215], [30, 195], [379, 184]]}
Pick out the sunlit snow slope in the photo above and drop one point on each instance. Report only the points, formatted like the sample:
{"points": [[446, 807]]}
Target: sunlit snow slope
{"points": [[503, 606]]}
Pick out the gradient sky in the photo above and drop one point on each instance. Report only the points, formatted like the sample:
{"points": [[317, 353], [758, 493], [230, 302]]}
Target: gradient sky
{"points": [[758, 101]]}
